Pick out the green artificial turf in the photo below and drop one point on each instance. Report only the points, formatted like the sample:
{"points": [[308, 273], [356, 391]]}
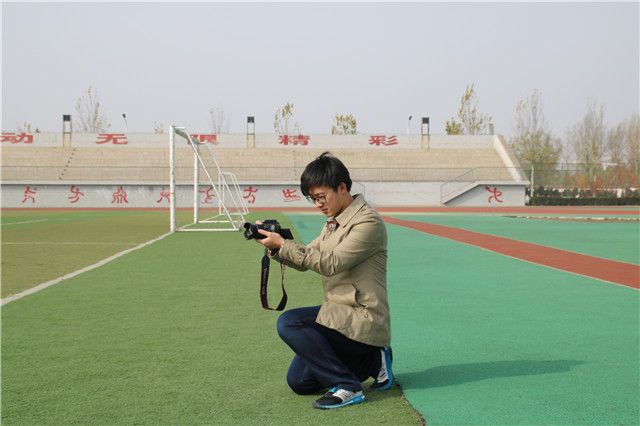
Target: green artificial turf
{"points": [[481, 338], [38, 246], [170, 334], [609, 240], [173, 333]]}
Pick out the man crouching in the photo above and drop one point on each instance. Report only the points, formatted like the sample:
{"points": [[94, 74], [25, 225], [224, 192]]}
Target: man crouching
{"points": [[346, 340]]}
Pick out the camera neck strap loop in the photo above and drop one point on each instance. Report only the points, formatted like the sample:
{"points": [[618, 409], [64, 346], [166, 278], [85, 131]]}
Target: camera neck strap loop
{"points": [[264, 280]]}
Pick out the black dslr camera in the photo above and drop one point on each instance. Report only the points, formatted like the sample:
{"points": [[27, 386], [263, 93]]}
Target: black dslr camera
{"points": [[270, 225]]}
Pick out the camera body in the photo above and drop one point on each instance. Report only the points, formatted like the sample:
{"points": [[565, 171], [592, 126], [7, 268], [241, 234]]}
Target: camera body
{"points": [[270, 225]]}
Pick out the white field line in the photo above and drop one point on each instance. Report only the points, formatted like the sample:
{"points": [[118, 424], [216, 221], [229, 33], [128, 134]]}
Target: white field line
{"points": [[78, 272], [79, 243], [26, 221]]}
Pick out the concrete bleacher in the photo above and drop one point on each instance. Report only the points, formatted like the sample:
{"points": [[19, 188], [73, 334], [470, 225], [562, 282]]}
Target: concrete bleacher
{"points": [[43, 164], [151, 164]]}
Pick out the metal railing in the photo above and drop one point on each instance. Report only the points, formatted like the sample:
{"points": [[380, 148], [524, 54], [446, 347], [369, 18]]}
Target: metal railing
{"points": [[455, 184], [475, 174]]}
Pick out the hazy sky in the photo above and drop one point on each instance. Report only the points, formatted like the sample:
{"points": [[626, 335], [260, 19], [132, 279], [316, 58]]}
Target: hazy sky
{"points": [[382, 62]]}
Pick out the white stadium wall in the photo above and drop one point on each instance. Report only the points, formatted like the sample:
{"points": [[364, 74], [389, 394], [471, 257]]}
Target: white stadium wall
{"points": [[269, 140], [378, 194]]}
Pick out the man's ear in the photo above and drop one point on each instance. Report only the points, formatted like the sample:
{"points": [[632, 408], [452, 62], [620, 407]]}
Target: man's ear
{"points": [[342, 188]]}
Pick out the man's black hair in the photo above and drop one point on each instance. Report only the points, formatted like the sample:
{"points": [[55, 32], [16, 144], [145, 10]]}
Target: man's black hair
{"points": [[325, 170]]}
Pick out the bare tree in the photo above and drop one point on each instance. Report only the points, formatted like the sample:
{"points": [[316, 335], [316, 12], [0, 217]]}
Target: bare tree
{"points": [[566, 153], [345, 125], [90, 115], [532, 143], [632, 143], [158, 128], [471, 121], [218, 121], [283, 117], [616, 143], [26, 127], [588, 137]]}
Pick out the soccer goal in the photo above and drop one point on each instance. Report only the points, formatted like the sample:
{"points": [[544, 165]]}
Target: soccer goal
{"points": [[226, 195]]}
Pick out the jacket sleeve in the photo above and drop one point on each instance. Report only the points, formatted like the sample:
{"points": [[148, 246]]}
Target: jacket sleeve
{"points": [[313, 244], [363, 240]]}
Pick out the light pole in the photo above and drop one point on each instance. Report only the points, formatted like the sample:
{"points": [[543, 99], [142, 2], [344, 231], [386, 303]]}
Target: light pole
{"points": [[409, 124], [425, 124], [424, 131], [126, 125], [67, 129], [251, 125], [251, 131]]}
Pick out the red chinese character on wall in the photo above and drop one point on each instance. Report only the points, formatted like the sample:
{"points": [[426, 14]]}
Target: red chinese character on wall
{"points": [[249, 194], [202, 138], [495, 194], [294, 140], [76, 194], [120, 196], [8, 137], [30, 194], [164, 194], [114, 138], [284, 139], [289, 195], [207, 196], [300, 140], [13, 138], [383, 140]]}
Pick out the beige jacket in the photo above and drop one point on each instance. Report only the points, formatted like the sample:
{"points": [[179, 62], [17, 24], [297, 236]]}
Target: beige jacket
{"points": [[352, 260]]}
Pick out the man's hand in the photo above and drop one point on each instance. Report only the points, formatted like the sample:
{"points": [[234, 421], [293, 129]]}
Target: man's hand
{"points": [[274, 241]]}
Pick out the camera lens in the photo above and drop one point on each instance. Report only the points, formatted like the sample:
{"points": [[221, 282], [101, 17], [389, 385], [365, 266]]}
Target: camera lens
{"points": [[250, 231]]}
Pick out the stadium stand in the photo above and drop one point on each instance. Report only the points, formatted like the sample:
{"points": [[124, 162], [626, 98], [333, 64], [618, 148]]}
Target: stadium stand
{"points": [[151, 164], [446, 170]]}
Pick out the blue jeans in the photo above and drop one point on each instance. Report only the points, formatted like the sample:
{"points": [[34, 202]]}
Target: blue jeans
{"points": [[324, 358]]}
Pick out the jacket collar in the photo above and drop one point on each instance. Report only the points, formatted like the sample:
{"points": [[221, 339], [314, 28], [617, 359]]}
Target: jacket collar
{"points": [[353, 208]]}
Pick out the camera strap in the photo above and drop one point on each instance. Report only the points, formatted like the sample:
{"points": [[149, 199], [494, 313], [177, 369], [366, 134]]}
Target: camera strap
{"points": [[264, 280]]}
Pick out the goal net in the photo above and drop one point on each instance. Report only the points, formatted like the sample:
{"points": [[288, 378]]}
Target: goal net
{"points": [[215, 191]]}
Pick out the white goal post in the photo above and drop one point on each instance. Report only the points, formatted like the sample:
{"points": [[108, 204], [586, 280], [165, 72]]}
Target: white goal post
{"points": [[227, 195]]}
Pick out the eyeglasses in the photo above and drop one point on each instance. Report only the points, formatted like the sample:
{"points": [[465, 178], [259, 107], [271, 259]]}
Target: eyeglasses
{"points": [[321, 199]]}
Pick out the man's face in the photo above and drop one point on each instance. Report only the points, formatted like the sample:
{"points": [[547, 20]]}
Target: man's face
{"points": [[327, 200]]}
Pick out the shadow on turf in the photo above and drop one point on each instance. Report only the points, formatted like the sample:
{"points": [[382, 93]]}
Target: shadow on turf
{"points": [[456, 374]]}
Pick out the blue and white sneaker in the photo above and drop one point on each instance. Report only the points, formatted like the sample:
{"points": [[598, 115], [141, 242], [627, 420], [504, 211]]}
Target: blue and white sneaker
{"points": [[384, 380], [336, 398]]}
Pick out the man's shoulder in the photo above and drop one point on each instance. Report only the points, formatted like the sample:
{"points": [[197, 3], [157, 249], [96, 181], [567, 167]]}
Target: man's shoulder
{"points": [[368, 214], [370, 223]]}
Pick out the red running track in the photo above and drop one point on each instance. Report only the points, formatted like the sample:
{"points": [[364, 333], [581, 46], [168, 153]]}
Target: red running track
{"points": [[616, 272]]}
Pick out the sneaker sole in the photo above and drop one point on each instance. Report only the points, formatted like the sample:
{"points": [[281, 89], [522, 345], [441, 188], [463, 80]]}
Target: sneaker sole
{"points": [[356, 400]]}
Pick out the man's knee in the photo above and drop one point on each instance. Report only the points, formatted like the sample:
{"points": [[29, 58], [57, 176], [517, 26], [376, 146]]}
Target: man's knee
{"points": [[285, 322], [301, 386]]}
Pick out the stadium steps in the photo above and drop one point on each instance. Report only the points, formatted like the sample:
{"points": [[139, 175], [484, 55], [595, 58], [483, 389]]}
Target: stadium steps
{"points": [[66, 166], [111, 164]]}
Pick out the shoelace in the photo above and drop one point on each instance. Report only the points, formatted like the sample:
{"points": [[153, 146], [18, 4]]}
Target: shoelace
{"points": [[343, 394]]}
